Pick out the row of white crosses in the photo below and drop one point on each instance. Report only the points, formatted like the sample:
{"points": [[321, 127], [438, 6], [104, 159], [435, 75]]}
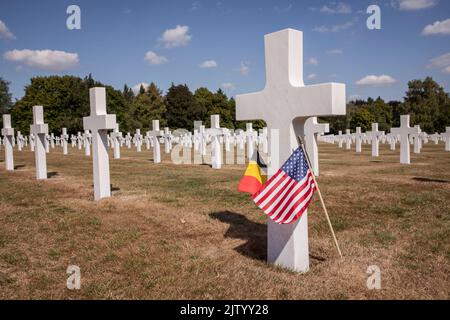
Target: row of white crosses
{"points": [[405, 134]]}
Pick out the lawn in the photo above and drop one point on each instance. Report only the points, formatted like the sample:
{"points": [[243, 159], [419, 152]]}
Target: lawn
{"points": [[184, 232]]}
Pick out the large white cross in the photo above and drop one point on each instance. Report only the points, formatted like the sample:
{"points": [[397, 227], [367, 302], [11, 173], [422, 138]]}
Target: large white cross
{"points": [[40, 130], [8, 134], [375, 137], [404, 131], [216, 149], [99, 122], [64, 138], [156, 133], [87, 142], [446, 136], [312, 130], [285, 103], [358, 139], [116, 135]]}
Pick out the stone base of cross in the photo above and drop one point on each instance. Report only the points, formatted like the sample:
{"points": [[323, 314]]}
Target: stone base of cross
{"points": [[285, 104]]}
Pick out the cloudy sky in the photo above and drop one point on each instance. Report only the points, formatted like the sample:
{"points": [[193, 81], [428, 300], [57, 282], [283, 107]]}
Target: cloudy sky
{"points": [[220, 43]]}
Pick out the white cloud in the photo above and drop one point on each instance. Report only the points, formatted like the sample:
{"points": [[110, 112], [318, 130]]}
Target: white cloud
{"points": [[373, 80], [335, 28], [5, 33], [313, 61], [137, 87], [51, 60], [244, 68], [441, 62], [408, 5], [312, 76], [208, 64], [196, 5], [336, 8], [334, 51], [153, 58], [228, 85], [176, 37], [439, 27]]}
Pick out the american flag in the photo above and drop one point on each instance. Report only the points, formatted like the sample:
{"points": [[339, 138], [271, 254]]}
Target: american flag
{"points": [[287, 194]]}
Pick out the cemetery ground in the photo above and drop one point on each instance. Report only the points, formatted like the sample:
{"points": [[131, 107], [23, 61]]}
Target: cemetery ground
{"points": [[184, 232]]}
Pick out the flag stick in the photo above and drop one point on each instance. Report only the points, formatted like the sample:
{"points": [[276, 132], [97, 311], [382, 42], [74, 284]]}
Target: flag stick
{"points": [[320, 196]]}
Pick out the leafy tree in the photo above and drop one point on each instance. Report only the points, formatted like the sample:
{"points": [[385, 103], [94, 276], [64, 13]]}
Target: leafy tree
{"points": [[149, 106], [361, 117], [5, 98], [428, 104], [65, 101], [182, 108]]}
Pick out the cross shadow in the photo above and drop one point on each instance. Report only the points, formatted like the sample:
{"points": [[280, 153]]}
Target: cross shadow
{"points": [[19, 166], [423, 179], [52, 174], [242, 228], [114, 188]]}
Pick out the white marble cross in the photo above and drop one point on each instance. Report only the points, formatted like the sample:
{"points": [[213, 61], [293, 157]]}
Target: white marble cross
{"points": [[167, 140], [348, 139], [64, 138], [375, 137], [99, 122], [40, 130], [138, 140], [446, 136], [404, 131], [155, 134], [216, 148], [312, 130], [87, 142], [116, 135], [285, 103], [250, 137], [358, 139], [79, 140], [8, 134], [417, 139]]}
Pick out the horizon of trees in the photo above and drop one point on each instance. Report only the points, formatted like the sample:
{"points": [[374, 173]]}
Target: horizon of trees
{"points": [[66, 102]]}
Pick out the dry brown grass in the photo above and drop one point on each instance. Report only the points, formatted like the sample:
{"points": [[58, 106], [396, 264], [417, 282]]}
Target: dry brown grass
{"points": [[175, 232]]}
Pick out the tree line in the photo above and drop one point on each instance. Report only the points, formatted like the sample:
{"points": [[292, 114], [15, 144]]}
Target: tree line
{"points": [[66, 102]]}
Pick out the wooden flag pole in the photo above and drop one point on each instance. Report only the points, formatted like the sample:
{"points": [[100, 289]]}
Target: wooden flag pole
{"points": [[320, 196]]}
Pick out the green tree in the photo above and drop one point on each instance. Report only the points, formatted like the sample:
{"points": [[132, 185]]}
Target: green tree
{"points": [[428, 104], [5, 98], [361, 117], [182, 108], [65, 101], [147, 106]]}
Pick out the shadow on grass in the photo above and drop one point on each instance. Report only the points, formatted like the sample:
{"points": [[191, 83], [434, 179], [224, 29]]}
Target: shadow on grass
{"points": [[423, 179], [19, 166], [52, 174], [242, 228]]}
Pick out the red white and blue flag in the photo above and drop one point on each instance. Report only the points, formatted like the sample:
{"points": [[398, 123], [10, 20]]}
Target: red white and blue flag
{"points": [[288, 193]]}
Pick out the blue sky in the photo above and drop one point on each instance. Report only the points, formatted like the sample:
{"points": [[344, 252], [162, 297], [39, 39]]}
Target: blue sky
{"points": [[220, 43]]}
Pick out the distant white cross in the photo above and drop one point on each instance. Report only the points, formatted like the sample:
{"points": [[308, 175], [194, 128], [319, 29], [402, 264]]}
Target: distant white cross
{"points": [[404, 131]]}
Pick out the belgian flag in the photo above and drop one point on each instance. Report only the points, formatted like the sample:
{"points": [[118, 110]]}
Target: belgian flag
{"points": [[255, 175]]}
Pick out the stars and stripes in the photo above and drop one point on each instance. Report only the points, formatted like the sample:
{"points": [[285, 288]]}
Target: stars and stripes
{"points": [[288, 193]]}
